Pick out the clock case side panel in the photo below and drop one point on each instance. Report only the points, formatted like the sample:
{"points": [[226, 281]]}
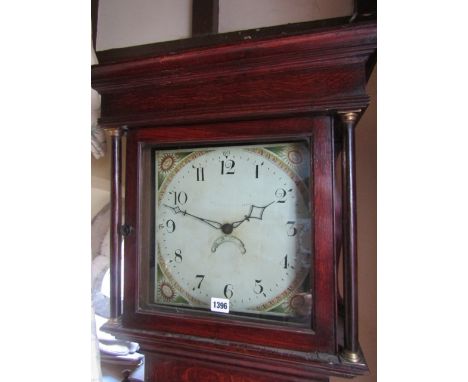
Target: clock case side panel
{"points": [[319, 130]]}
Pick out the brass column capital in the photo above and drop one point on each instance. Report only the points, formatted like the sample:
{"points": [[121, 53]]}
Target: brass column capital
{"points": [[113, 131], [350, 116]]}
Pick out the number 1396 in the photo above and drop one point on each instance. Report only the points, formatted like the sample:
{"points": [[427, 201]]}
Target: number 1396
{"points": [[219, 305]]}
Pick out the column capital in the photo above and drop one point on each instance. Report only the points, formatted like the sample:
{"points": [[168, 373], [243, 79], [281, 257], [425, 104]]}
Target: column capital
{"points": [[349, 116], [113, 131]]}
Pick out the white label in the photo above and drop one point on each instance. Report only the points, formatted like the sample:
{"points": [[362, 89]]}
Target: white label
{"points": [[219, 305]]}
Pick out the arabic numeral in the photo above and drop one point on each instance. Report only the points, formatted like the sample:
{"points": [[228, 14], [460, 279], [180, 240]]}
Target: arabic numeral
{"points": [[256, 169], [178, 256], [179, 197], [200, 174], [228, 291], [258, 288], [280, 193], [170, 225], [227, 167], [220, 305], [201, 277], [292, 230]]}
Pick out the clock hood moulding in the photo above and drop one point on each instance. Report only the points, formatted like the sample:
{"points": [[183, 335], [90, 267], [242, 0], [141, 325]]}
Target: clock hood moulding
{"points": [[313, 72]]}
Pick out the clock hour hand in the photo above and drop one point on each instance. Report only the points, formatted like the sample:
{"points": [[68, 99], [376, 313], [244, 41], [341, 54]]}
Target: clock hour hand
{"points": [[255, 212], [211, 223]]}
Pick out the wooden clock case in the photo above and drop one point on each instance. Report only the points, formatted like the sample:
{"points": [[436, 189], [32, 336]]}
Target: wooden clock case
{"points": [[248, 87]]}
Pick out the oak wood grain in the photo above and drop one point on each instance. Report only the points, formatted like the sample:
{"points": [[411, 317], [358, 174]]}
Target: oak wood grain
{"points": [[245, 91], [313, 72]]}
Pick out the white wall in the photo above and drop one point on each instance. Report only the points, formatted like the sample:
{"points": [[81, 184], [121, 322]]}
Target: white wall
{"points": [[124, 23], [246, 14]]}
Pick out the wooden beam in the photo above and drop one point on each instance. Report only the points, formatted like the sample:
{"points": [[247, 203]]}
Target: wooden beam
{"points": [[365, 7], [94, 20], [205, 17], [166, 47]]}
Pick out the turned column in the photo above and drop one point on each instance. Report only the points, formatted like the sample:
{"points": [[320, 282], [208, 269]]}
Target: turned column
{"points": [[351, 350], [115, 224]]}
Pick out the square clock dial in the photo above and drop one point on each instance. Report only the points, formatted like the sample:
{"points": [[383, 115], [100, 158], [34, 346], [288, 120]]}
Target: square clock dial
{"points": [[234, 223]]}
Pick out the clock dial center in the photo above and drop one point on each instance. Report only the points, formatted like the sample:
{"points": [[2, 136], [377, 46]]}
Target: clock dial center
{"points": [[227, 228]]}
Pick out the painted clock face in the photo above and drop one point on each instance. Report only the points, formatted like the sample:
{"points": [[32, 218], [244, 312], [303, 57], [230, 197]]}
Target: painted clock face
{"points": [[235, 223]]}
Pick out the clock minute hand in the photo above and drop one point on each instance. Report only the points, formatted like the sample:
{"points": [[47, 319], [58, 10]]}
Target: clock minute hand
{"points": [[211, 223], [255, 212]]}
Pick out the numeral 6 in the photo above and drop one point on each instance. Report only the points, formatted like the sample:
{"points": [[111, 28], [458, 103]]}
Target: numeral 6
{"points": [[228, 292]]}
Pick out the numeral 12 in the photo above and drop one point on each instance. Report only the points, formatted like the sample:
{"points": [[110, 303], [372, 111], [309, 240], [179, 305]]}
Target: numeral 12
{"points": [[228, 165]]}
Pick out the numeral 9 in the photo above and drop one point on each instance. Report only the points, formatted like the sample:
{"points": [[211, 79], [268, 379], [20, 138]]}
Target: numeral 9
{"points": [[170, 224]]}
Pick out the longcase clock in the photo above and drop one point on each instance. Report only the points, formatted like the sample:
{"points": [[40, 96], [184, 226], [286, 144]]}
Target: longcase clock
{"points": [[235, 219]]}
